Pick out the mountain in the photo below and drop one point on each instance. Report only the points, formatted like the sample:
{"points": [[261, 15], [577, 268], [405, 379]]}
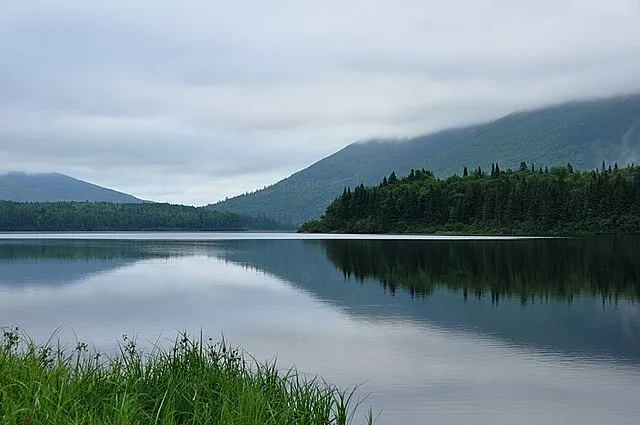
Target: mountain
{"points": [[22, 187], [583, 133]]}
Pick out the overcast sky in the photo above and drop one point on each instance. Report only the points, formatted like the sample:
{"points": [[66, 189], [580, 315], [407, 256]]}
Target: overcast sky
{"points": [[192, 101]]}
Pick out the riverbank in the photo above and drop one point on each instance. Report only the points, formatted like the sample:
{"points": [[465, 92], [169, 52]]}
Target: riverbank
{"points": [[197, 381]]}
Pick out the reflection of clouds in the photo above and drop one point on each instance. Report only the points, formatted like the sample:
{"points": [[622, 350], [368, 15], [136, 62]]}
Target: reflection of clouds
{"points": [[411, 368], [630, 314], [153, 295], [451, 376]]}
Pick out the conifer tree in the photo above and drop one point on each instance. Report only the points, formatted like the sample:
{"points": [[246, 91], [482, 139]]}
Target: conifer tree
{"points": [[547, 202]]}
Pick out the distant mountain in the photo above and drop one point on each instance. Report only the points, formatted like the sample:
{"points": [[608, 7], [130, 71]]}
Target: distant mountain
{"points": [[22, 187], [583, 133]]}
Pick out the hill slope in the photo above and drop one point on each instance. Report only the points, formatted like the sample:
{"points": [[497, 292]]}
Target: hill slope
{"points": [[21, 187], [583, 133], [108, 216]]}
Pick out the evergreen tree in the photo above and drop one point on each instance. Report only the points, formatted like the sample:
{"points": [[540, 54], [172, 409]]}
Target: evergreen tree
{"points": [[557, 201], [103, 216]]}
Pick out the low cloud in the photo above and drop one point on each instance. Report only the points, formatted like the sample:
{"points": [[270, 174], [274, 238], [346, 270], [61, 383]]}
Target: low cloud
{"points": [[193, 103]]}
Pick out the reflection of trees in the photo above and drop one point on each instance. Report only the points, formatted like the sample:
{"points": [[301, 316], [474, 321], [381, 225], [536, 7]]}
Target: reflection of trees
{"points": [[75, 250], [528, 269]]}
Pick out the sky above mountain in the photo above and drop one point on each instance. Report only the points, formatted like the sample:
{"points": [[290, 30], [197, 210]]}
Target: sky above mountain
{"points": [[194, 101]]}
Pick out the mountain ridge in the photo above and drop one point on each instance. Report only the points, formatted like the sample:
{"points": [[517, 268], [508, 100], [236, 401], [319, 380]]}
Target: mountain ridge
{"points": [[583, 132], [56, 187]]}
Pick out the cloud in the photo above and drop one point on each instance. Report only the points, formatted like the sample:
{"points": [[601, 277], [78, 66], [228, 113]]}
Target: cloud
{"points": [[195, 102]]}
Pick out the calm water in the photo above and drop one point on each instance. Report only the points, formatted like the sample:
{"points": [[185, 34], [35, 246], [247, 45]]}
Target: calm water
{"points": [[437, 331]]}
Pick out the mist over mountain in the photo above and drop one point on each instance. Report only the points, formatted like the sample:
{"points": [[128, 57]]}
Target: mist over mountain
{"points": [[54, 187], [583, 133]]}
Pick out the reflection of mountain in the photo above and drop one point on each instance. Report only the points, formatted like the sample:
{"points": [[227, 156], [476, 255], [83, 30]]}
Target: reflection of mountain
{"points": [[63, 262], [55, 272], [586, 326], [564, 281]]}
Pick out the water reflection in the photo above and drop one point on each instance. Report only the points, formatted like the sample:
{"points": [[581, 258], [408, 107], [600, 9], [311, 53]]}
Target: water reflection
{"points": [[399, 324], [63, 262], [576, 297], [570, 319], [603, 267]]}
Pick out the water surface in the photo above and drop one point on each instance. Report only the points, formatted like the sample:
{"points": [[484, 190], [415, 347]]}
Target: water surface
{"points": [[437, 330]]}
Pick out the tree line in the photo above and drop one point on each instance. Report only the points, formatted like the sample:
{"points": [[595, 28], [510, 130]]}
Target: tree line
{"points": [[103, 216], [529, 200]]}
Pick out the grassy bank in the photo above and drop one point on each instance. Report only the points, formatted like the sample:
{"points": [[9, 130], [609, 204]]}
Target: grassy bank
{"points": [[195, 382]]}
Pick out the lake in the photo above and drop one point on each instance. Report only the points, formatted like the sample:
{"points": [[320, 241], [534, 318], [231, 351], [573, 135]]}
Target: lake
{"points": [[434, 330]]}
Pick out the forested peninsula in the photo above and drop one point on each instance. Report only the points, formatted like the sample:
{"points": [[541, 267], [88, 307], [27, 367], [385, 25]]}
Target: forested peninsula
{"points": [[104, 216], [530, 200]]}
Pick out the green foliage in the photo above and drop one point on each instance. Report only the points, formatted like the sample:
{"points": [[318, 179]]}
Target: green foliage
{"points": [[196, 382], [558, 202], [102, 216], [583, 133]]}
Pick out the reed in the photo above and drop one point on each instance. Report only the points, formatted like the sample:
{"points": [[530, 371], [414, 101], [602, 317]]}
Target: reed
{"points": [[197, 381]]}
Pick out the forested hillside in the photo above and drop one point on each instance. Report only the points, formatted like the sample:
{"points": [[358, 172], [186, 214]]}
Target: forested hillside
{"points": [[21, 187], [560, 201], [583, 133], [90, 216]]}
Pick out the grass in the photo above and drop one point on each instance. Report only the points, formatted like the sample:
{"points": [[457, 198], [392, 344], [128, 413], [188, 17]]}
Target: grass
{"points": [[195, 382]]}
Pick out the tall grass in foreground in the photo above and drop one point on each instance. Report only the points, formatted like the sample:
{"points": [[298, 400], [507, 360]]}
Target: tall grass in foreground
{"points": [[195, 382]]}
